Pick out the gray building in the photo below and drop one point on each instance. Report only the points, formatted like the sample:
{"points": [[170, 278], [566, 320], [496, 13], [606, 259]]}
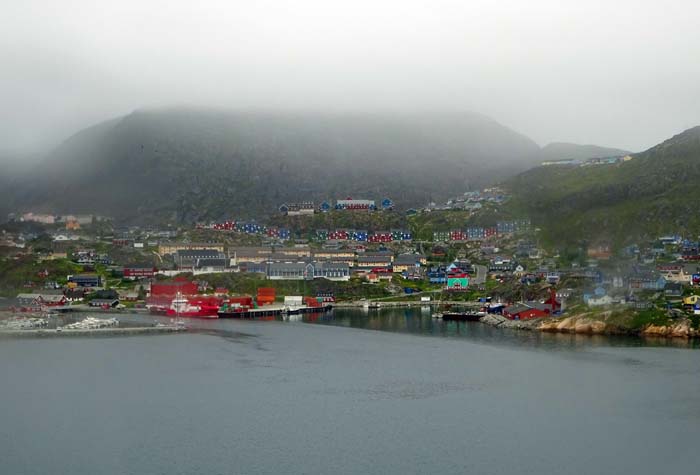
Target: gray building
{"points": [[308, 270], [188, 258]]}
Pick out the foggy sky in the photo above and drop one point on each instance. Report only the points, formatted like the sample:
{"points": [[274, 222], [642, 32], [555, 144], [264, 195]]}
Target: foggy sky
{"points": [[618, 73]]}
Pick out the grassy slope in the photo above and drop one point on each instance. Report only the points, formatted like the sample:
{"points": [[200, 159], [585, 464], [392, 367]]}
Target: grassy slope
{"points": [[642, 198]]}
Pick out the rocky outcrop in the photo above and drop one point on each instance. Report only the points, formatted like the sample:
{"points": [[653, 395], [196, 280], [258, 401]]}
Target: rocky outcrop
{"points": [[494, 320], [503, 322], [585, 325], [680, 329]]}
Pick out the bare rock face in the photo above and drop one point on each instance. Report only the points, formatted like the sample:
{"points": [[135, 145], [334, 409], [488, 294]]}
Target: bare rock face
{"points": [[568, 325], [585, 325], [680, 329], [578, 324], [599, 328], [549, 326], [655, 330]]}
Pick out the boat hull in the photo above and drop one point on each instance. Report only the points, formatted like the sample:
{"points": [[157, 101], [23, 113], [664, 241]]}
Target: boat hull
{"points": [[462, 317], [205, 315]]}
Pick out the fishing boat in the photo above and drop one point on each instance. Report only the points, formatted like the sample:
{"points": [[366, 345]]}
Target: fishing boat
{"points": [[462, 315], [194, 307]]}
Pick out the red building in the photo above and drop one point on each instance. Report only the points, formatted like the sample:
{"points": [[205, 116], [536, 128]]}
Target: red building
{"points": [[552, 302], [171, 289], [381, 236], [458, 235], [266, 295], [338, 235], [523, 312], [532, 313]]}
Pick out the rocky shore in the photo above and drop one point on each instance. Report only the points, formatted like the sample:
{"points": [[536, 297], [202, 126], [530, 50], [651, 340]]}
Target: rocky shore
{"points": [[586, 325]]}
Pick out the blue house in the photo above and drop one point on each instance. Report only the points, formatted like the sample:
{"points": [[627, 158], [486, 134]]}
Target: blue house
{"points": [[437, 275], [648, 281]]}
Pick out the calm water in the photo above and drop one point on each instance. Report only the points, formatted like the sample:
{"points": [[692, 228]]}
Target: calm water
{"points": [[291, 397]]}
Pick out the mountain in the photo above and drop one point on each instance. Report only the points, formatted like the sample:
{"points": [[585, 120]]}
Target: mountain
{"points": [[14, 165], [649, 195], [186, 164], [571, 151]]}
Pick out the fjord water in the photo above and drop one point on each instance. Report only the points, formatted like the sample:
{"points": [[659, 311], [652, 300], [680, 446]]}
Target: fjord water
{"points": [[423, 396]]}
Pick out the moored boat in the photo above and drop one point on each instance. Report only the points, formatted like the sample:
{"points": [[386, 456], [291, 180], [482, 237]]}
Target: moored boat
{"points": [[469, 316], [194, 307]]}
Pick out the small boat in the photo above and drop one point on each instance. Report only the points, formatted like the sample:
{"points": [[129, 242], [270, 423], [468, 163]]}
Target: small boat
{"points": [[467, 316], [193, 307], [437, 315]]}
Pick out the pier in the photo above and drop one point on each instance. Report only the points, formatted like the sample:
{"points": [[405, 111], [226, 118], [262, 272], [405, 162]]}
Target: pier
{"points": [[377, 304], [272, 311]]}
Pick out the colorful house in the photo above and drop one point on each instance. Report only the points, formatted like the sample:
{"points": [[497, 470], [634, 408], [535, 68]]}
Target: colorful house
{"points": [[457, 281]]}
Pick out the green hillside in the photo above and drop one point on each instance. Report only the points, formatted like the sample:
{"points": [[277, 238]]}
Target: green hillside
{"points": [[654, 193]]}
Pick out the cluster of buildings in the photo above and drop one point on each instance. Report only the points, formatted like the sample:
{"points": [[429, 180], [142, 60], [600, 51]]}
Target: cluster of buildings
{"points": [[471, 200], [283, 234], [249, 228], [70, 221], [478, 233], [572, 162], [360, 235], [308, 208], [284, 263], [355, 204], [76, 289]]}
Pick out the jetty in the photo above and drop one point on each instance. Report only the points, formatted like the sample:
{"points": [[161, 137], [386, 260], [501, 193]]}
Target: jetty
{"points": [[377, 304], [271, 311]]}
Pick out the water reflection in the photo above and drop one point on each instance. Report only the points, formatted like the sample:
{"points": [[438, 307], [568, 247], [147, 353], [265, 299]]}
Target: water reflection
{"points": [[419, 321]]}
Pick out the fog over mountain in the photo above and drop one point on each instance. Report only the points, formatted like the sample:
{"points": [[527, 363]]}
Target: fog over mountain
{"points": [[621, 73], [192, 163], [343, 97]]}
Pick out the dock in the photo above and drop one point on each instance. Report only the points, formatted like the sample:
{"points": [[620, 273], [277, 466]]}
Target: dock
{"points": [[272, 311], [379, 304]]}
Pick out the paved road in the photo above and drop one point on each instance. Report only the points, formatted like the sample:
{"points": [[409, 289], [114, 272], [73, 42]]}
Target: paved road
{"points": [[481, 272]]}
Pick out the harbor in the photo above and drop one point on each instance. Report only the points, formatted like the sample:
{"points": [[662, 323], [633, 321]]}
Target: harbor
{"points": [[248, 388]]}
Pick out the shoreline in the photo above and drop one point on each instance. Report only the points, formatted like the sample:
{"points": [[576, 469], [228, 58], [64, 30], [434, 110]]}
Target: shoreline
{"points": [[583, 325], [128, 331]]}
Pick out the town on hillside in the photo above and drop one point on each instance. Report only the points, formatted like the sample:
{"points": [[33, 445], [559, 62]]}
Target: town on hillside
{"points": [[499, 268]]}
